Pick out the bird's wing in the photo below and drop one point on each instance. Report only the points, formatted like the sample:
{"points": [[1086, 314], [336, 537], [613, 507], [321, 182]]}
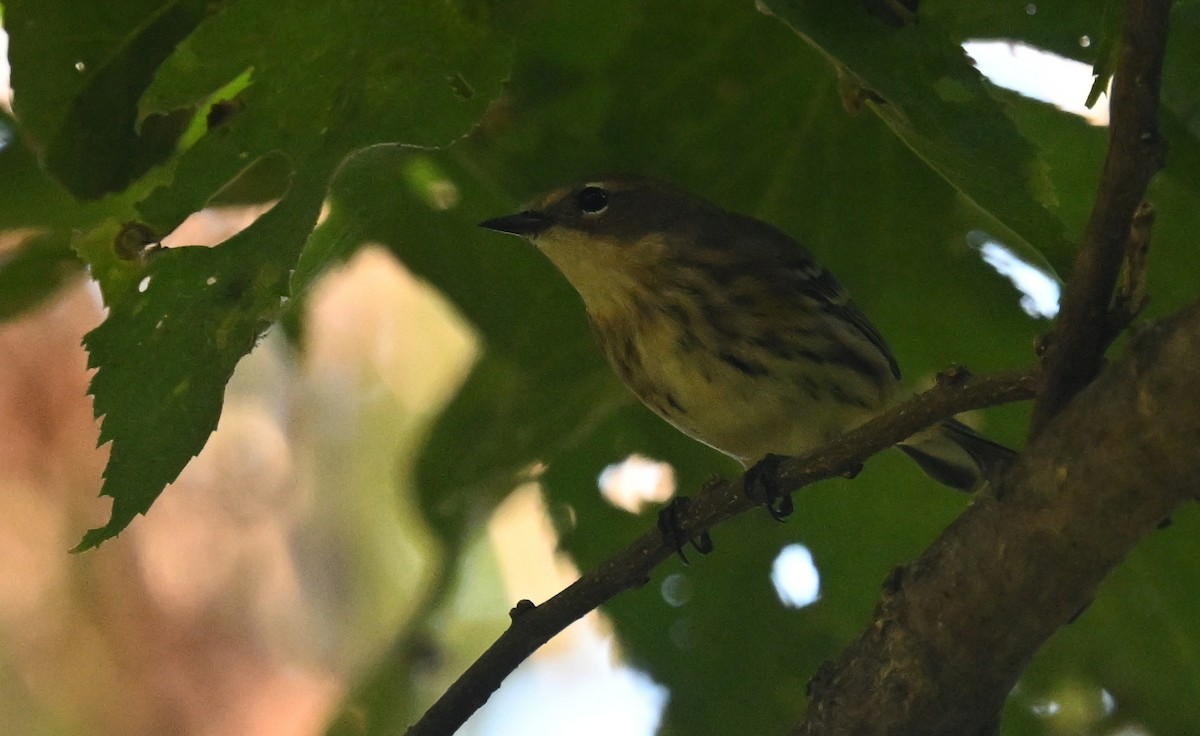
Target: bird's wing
{"points": [[819, 284], [762, 243]]}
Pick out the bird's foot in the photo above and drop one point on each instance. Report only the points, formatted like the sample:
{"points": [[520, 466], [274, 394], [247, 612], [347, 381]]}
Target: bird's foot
{"points": [[762, 484], [670, 525]]}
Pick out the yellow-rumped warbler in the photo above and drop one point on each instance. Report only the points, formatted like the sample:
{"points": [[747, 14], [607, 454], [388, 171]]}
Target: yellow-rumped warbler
{"points": [[726, 327]]}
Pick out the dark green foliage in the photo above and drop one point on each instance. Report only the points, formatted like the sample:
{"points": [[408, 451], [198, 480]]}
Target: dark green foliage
{"points": [[359, 104]]}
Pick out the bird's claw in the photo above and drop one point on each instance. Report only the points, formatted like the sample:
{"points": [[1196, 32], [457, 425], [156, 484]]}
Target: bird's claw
{"points": [[670, 525], [761, 484]]}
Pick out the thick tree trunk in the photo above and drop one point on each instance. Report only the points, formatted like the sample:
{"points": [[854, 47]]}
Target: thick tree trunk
{"points": [[956, 628]]}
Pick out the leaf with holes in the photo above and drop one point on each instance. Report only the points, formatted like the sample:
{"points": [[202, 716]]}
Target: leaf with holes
{"points": [[80, 68], [313, 84], [169, 345], [324, 80]]}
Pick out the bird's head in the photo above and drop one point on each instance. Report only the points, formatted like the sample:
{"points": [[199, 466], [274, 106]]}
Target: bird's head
{"points": [[607, 234]]}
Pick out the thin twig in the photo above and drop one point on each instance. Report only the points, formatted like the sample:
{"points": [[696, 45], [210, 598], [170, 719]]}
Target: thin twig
{"points": [[1136, 152], [535, 625]]}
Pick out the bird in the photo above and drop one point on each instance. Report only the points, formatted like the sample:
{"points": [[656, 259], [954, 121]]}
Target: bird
{"points": [[727, 328]]}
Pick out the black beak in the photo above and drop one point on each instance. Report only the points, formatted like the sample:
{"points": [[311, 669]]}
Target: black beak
{"points": [[524, 223]]}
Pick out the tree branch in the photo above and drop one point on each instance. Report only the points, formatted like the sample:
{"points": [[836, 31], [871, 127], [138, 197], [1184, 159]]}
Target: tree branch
{"points": [[535, 625], [1136, 152], [1107, 464], [956, 628]]}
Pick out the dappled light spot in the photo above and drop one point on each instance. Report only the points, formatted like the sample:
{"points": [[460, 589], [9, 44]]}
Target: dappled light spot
{"points": [[676, 589], [1038, 74], [796, 580], [682, 633], [5, 75], [144, 284], [1039, 286], [637, 481], [1071, 706], [1131, 729], [254, 192], [222, 516], [1107, 702], [1045, 708], [429, 183], [373, 323], [214, 225], [578, 682], [583, 690]]}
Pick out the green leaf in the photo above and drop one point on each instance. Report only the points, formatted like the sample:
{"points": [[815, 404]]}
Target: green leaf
{"points": [[1181, 86], [542, 394], [281, 100], [28, 197], [80, 69], [1073, 162], [169, 346], [922, 84], [1107, 52], [1142, 618], [1076, 29], [763, 133], [513, 409], [324, 81], [417, 74], [34, 271]]}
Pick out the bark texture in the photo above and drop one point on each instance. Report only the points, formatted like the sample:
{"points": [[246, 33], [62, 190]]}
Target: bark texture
{"points": [[955, 629]]}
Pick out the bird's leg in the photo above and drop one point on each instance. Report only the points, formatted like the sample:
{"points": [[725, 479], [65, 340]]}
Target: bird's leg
{"points": [[761, 484], [670, 525]]}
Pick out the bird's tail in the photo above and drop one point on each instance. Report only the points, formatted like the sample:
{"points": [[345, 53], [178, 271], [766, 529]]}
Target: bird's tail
{"points": [[955, 455]]}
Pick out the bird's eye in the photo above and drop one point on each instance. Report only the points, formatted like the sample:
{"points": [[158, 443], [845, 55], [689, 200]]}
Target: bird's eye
{"points": [[592, 200]]}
